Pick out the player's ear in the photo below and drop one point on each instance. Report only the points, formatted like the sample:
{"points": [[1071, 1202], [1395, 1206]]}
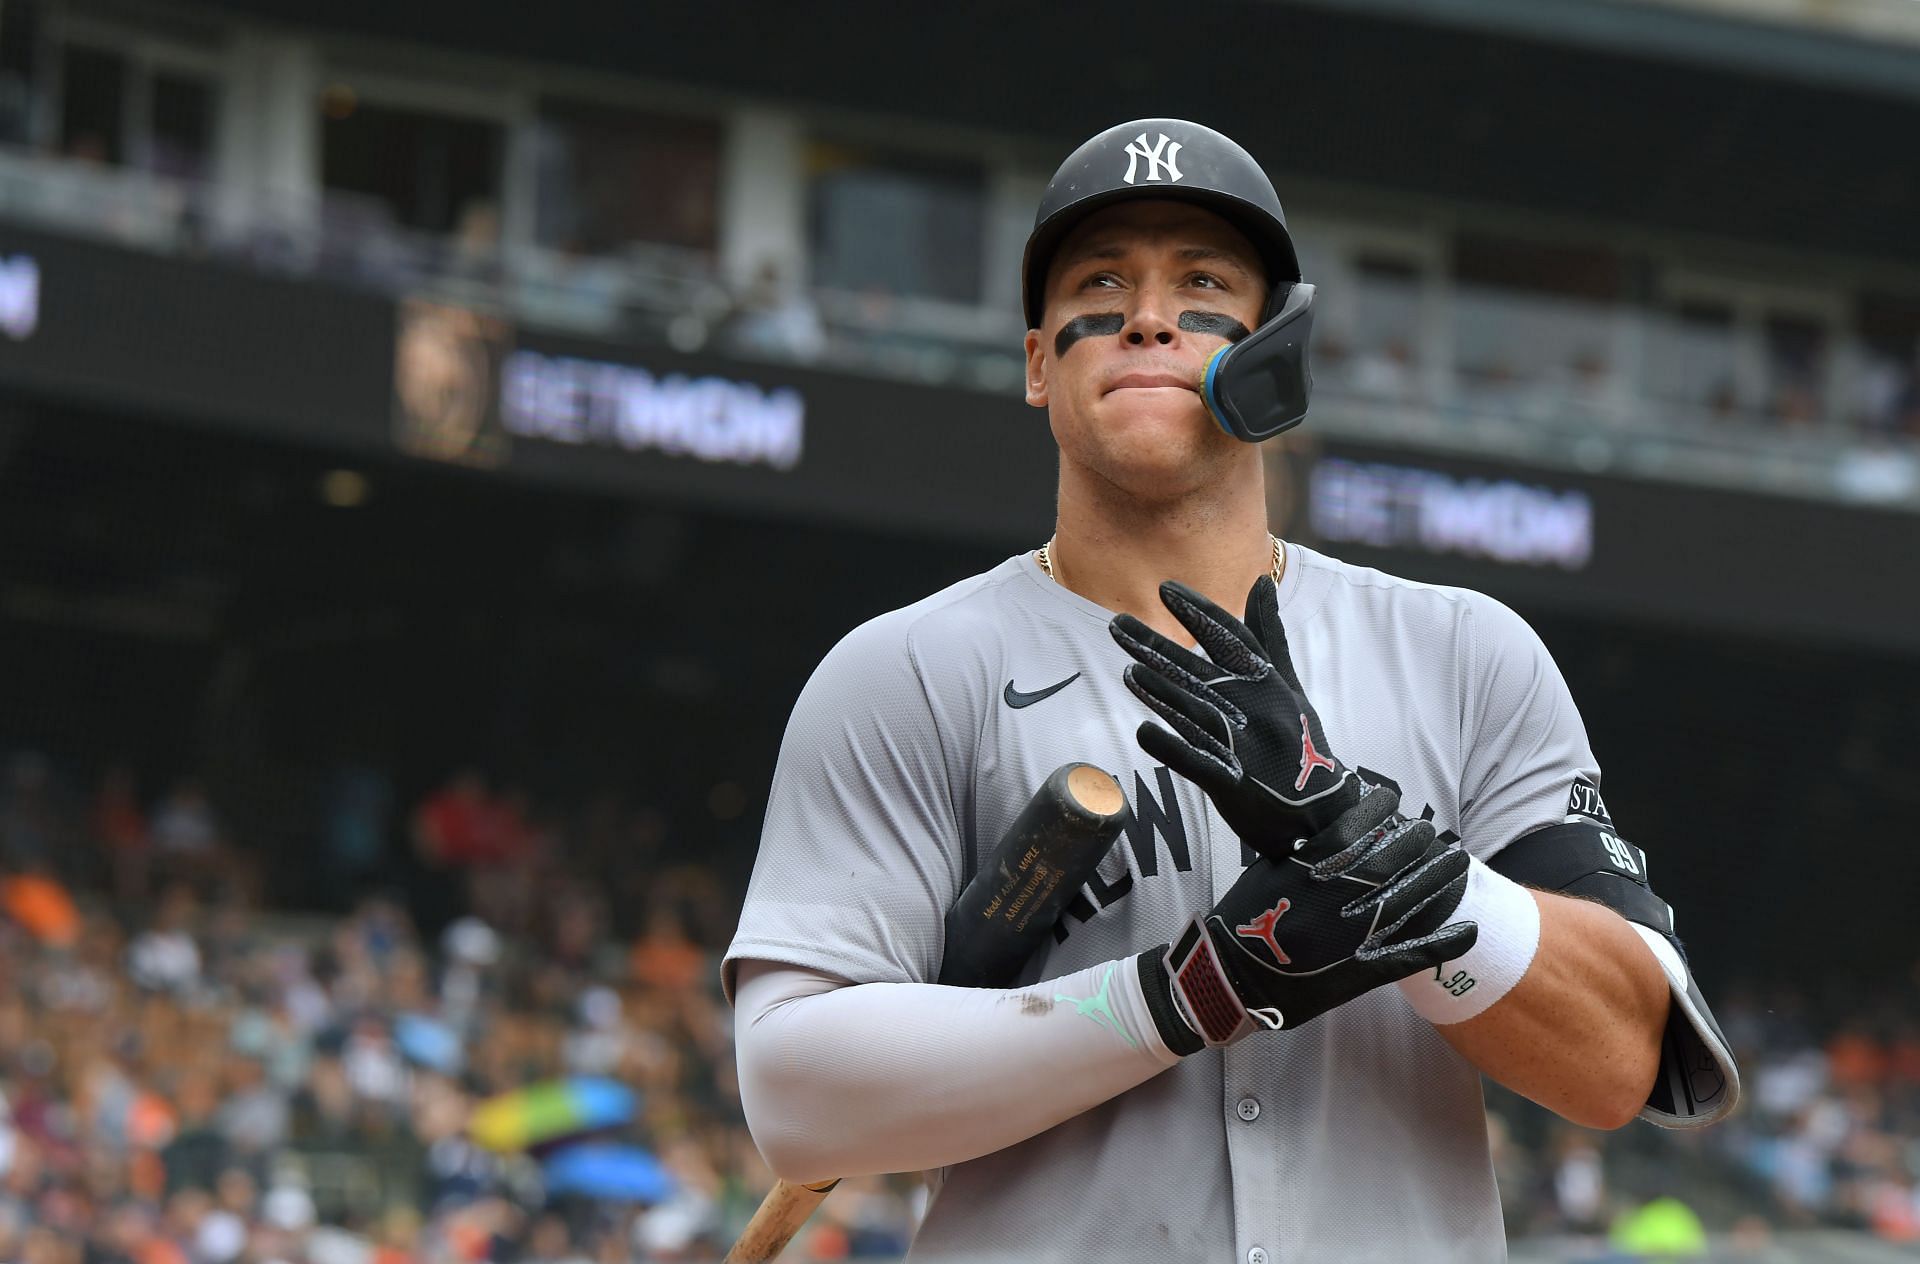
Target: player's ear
{"points": [[1036, 370]]}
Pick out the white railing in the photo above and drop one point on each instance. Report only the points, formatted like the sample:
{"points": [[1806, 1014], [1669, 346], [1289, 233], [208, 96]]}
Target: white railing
{"points": [[1563, 399]]}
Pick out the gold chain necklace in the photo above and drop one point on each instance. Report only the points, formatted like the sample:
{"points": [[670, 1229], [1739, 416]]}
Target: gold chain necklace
{"points": [[1045, 557]]}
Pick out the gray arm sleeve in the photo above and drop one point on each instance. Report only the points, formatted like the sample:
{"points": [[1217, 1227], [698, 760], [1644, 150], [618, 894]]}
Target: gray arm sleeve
{"points": [[861, 852], [840, 1080]]}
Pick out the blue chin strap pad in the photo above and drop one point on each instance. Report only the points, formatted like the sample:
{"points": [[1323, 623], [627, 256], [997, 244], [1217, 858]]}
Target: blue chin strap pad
{"points": [[1258, 386]]}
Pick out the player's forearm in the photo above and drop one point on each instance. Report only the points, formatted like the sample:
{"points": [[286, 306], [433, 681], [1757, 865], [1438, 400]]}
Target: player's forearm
{"points": [[846, 1080], [1580, 1032]]}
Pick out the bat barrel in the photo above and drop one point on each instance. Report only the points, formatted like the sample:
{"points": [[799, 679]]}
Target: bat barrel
{"points": [[1051, 848]]}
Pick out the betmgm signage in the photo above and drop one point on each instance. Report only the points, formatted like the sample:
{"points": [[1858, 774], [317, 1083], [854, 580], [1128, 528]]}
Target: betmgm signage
{"points": [[566, 399], [465, 393], [1406, 507], [19, 296]]}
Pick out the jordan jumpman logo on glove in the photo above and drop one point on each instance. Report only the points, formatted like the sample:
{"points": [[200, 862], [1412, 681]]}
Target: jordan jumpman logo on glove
{"points": [[1241, 726], [1310, 758], [1261, 928]]}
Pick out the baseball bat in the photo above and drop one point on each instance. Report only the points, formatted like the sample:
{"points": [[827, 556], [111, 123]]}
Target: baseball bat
{"points": [[1051, 848]]}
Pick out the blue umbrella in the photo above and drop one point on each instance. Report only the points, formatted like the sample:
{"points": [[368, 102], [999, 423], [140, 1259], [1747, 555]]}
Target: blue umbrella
{"points": [[617, 1173], [429, 1042]]}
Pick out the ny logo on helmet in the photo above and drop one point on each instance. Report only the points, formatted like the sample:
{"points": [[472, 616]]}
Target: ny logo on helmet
{"points": [[1161, 155]]}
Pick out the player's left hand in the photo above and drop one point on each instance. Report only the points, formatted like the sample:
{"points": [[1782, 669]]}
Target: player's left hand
{"points": [[1242, 728]]}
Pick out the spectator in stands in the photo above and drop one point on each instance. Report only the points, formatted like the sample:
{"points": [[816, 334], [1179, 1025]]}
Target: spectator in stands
{"points": [[1883, 464], [397, 1237], [503, 878], [39, 904], [470, 951], [1581, 391], [1385, 373], [551, 1242], [199, 1153], [189, 844], [373, 1066], [1879, 390], [355, 830], [119, 828], [452, 831], [597, 1045], [1795, 356], [1332, 360], [776, 320], [571, 287], [184, 825], [451, 825], [1797, 403], [1896, 410], [89, 148], [165, 957], [237, 1195], [680, 1227], [31, 831], [474, 252], [1579, 1182], [1723, 401], [1513, 1172], [254, 1116], [664, 958], [576, 930]]}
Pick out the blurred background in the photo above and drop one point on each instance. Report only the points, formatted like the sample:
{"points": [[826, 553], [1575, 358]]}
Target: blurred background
{"points": [[437, 441]]}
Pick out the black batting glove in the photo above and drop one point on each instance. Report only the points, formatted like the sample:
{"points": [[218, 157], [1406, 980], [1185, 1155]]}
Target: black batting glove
{"points": [[1365, 902], [1241, 726], [1346, 894]]}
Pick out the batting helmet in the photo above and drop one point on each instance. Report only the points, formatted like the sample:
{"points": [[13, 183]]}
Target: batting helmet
{"points": [[1258, 386]]}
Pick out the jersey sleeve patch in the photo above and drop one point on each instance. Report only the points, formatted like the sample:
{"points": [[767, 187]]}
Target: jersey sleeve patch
{"points": [[1584, 804]]}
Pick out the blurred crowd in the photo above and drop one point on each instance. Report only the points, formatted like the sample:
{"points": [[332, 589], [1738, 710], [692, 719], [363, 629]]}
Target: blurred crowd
{"points": [[1833, 1129], [188, 1076], [1829, 1135]]}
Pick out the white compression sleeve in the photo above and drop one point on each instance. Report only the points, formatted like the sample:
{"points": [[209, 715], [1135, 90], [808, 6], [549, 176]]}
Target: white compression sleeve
{"points": [[841, 1079]]}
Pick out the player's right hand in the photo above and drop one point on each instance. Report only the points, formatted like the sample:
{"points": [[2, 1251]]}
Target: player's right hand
{"points": [[1364, 903], [1241, 727]]}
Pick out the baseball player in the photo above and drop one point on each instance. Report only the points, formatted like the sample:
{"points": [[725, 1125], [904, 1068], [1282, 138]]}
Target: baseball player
{"points": [[1366, 860]]}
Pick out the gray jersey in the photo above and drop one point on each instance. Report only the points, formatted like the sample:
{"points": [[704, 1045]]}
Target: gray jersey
{"points": [[1361, 1136]]}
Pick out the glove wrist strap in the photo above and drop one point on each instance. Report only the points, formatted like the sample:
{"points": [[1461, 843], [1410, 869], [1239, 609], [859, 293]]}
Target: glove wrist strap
{"points": [[1157, 986], [1207, 999]]}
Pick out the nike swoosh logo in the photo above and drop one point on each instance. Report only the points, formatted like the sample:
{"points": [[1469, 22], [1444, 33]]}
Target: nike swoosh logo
{"points": [[1016, 699]]}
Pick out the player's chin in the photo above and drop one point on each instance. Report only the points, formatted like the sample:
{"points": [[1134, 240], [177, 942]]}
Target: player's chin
{"points": [[1167, 424], [1159, 456]]}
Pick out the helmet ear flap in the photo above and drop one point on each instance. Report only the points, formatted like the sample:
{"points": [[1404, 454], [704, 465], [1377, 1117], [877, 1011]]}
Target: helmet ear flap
{"points": [[1259, 386]]}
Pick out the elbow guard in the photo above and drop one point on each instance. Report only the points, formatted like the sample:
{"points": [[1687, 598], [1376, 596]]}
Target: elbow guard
{"points": [[1699, 1082]]}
